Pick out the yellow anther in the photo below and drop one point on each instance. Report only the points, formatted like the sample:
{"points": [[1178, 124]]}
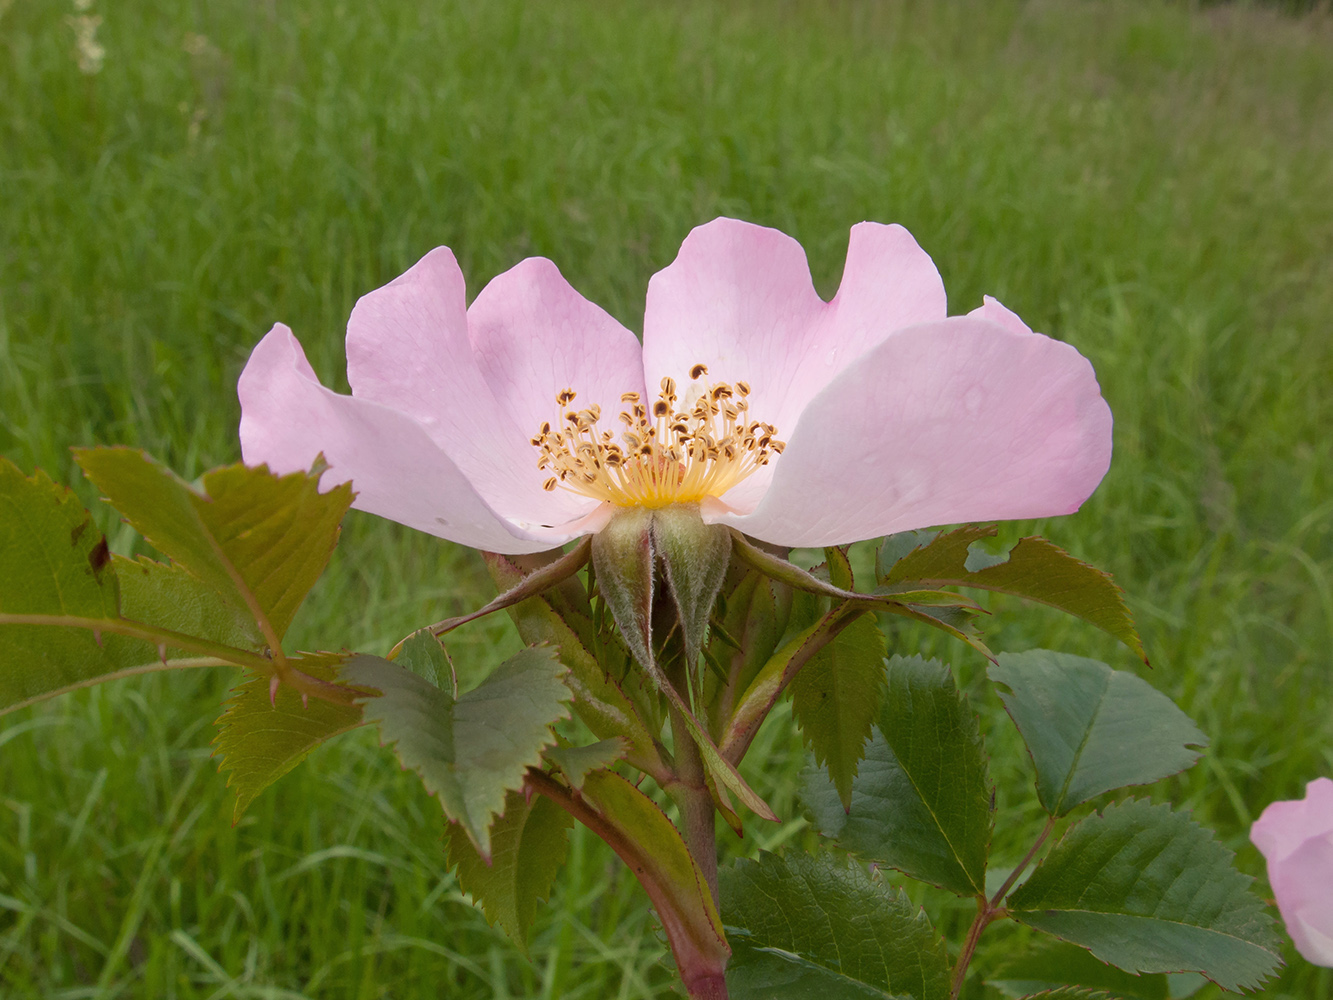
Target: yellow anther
{"points": [[674, 458]]}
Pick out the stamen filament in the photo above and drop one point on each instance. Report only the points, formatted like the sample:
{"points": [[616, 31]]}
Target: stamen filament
{"points": [[671, 456]]}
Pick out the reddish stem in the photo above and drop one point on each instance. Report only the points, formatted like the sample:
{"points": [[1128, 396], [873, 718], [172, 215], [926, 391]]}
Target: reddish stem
{"points": [[989, 910], [700, 954]]}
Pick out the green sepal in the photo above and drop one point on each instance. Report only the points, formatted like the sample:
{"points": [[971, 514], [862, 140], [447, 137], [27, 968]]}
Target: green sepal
{"points": [[695, 556], [622, 557], [954, 621]]}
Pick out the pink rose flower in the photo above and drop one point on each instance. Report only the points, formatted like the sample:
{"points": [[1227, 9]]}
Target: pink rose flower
{"points": [[1296, 838], [798, 421]]}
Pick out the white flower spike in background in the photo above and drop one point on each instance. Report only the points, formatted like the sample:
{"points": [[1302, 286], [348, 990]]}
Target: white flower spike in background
{"points": [[531, 417]]}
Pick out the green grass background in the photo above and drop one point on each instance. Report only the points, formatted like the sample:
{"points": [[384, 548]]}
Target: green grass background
{"points": [[1151, 181]]}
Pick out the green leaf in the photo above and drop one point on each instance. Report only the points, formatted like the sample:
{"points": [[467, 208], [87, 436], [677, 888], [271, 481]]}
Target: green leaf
{"points": [[1058, 965], [896, 546], [260, 740], [425, 656], [640, 833], [576, 763], [471, 750], [54, 562], [836, 697], [1035, 569], [921, 801], [598, 700], [1070, 993], [816, 925], [528, 846], [171, 597], [1149, 890], [259, 540], [1091, 729], [839, 567]]}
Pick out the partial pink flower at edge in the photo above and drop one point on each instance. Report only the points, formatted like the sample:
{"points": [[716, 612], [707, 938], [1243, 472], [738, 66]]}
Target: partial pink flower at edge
{"points": [[1296, 839], [891, 415]]}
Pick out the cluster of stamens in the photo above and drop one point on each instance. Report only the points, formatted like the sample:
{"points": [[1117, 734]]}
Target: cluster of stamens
{"points": [[665, 455]]}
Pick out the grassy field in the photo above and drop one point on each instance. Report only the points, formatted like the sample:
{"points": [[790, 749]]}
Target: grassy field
{"points": [[1152, 182]]}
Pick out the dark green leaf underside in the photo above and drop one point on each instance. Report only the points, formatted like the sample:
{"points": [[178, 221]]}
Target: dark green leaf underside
{"points": [[1057, 964]]}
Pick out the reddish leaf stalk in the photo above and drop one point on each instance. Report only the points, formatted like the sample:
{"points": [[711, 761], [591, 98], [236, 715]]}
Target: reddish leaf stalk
{"points": [[990, 910]]}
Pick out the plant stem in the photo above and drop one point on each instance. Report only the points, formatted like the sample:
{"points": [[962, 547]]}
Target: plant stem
{"points": [[691, 795], [1003, 891], [696, 943], [984, 916], [989, 910]]}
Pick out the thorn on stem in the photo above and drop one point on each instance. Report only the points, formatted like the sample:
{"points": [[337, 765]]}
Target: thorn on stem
{"points": [[273, 684], [162, 652]]}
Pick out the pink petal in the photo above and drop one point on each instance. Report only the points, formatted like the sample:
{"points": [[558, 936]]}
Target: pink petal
{"points": [[288, 418], [960, 420], [1302, 884], [739, 299], [992, 310], [408, 348], [534, 335], [1284, 826]]}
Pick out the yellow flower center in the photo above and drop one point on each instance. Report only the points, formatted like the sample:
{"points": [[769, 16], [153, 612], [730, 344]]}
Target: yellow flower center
{"points": [[665, 455]]}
